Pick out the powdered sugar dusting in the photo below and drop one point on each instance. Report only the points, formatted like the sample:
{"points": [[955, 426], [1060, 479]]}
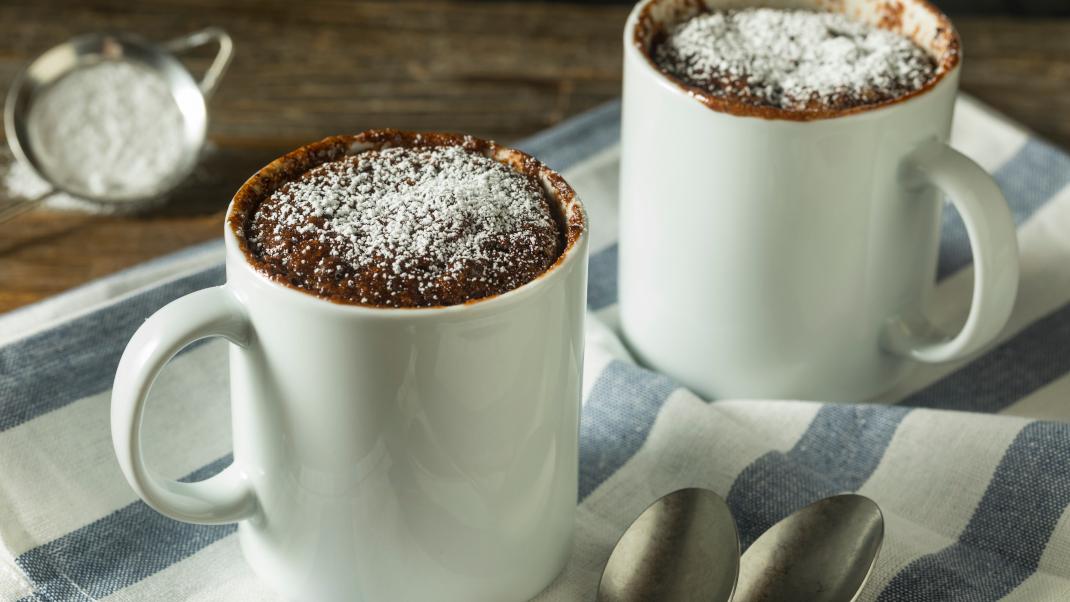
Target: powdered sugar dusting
{"points": [[793, 59], [111, 129], [407, 226]]}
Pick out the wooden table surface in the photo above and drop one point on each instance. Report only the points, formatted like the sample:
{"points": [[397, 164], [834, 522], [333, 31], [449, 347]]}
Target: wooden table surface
{"points": [[305, 70]]}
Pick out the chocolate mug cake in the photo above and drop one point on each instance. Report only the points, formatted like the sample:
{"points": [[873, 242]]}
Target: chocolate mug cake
{"points": [[407, 318], [792, 60], [428, 220]]}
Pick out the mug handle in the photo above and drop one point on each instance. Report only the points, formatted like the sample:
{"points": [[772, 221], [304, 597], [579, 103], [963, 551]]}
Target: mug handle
{"points": [[993, 242], [226, 497], [219, 64]]}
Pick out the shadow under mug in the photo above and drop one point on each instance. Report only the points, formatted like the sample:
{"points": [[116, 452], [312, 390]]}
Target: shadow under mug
{"points": [[772, 255], [382, 454]]}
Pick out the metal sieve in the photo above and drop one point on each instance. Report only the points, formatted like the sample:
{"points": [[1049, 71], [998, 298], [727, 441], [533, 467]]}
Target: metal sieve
{"points": [[90, 49]]}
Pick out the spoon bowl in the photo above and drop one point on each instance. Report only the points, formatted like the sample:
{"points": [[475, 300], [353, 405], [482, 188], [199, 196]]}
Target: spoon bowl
{"points": [[821, 553], [683, 547]]}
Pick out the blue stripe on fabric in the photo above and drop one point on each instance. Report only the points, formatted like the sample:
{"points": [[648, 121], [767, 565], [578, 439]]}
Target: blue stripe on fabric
{"points": [[838, 452], [577, 138], [51, 369], [602, 278], [118, 550], [1033, 358], [1002, 544], [616, 419], [1029, 180]]}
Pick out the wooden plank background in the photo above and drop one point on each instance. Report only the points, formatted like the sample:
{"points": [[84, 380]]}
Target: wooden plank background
{"points": [[305, 70]]}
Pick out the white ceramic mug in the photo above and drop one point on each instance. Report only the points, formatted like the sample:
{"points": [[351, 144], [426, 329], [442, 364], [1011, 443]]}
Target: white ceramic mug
{"points": [[767, 255], [382, 454]]}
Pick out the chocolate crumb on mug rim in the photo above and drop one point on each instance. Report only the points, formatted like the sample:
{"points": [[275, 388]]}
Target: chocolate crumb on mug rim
{"points": [[943, 46], [283, 174]]}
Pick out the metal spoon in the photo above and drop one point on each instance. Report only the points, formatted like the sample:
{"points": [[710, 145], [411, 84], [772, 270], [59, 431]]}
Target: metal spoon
{"points": [[822, 553], [683, 547]]}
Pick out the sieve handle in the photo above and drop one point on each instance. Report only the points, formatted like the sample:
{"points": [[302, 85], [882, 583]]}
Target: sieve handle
{"points": [[16, 208], [219, 66]]}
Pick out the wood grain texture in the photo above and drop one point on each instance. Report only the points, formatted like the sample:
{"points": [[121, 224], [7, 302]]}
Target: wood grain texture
{"points": [[305, 70]]}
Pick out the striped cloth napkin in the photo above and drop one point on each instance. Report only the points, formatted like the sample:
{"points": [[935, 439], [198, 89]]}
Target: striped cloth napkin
{"points": [[970, 461]]}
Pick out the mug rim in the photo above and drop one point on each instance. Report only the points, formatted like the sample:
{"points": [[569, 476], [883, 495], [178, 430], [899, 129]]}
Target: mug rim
{"points": [[947, 65], [574, 214]]}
